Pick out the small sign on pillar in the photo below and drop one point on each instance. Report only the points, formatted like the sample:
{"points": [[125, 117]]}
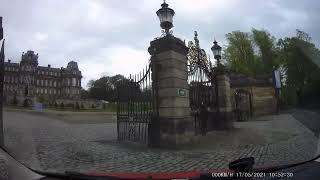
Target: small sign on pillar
{"points": [[182, 93]]}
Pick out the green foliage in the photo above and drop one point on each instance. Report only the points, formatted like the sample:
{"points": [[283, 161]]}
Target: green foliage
{"points": [[256, 53], [266, 45], [25, 103], [70, 105], [77, 106], [239, 53], [61, 105], [106, 88], [299, 58], [84, 93]]}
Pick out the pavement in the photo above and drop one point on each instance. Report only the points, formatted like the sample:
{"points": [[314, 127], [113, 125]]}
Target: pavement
{"points": [[76, 143]]}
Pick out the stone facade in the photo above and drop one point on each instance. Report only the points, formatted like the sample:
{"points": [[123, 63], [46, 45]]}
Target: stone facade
{"points": [[27, 82]]}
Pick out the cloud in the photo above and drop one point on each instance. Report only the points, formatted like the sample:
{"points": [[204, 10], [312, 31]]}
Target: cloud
{"points": [[111, 37], [115, 60]]}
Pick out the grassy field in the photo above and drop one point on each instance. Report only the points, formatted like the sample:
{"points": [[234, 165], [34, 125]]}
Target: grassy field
{"points": [[106, 108]]}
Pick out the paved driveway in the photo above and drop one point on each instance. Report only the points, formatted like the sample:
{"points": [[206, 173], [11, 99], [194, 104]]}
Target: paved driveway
{"points": [[53, 143]]}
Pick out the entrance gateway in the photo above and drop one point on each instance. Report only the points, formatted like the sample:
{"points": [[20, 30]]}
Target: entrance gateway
{"points": [[138, 100]]}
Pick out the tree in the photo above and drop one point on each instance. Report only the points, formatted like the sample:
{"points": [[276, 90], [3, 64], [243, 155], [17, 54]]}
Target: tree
{"points": [[239, 54], [61, 105], [77, 106], [266, 45], [302, 75], [106, 88], [84, 94]]}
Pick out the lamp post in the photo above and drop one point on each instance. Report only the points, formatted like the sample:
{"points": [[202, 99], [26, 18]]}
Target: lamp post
{"points": [[216, 50], [165, 15]]}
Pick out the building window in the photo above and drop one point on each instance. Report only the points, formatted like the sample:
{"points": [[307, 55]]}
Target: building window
{"points": [[45, 91], [74, 82]]}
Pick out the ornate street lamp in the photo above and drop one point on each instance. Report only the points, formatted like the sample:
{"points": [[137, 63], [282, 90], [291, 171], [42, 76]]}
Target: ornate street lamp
{"points": [[216, 50], [165, 15]]}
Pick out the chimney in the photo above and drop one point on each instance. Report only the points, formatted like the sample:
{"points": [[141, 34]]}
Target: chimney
{"points": [[9, 61], [49, 66]]}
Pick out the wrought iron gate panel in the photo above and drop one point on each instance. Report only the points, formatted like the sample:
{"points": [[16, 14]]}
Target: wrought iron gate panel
{"points": [[203, 99], [135, 108], [2, 57], [243, 104]]}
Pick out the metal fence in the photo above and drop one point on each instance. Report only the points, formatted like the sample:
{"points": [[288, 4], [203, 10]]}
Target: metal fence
{"points": [[135, 107], [2, 57]]}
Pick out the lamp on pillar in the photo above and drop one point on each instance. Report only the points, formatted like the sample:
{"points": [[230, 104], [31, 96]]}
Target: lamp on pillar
{"points": [[165, 15], [216, 50], [171, 125]]}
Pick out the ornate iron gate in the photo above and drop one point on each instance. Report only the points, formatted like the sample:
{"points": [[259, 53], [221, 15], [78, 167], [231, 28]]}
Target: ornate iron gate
{"points": [[135, 107], [203, 93], [203, 100], [2, 57]]}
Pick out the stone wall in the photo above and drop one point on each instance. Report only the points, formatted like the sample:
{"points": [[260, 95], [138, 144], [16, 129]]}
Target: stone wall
{"points": [[263, 99]]}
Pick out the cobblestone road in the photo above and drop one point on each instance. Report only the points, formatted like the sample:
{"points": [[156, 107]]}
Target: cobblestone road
{"points": [[46, 143]]}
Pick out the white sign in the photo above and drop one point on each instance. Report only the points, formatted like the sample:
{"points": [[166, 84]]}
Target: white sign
{"points": [[277, 79]]}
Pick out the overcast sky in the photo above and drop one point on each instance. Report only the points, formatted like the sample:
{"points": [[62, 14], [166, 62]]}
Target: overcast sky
{"points": [[108, 37]]}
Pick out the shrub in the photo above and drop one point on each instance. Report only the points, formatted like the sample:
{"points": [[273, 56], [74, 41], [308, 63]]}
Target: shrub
{"points": [[61, 105], [77, 106], [25, 103]]}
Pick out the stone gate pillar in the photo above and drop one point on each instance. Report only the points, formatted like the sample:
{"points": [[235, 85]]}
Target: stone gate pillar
{"points": [[174, 125], [224, 99]]}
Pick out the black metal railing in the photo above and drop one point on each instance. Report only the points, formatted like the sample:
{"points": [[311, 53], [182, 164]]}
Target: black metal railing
{"points": [[2, 57], [135, 107]]}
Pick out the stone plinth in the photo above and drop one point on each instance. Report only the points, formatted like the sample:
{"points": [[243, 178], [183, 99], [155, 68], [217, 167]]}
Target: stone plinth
{"points": [[174, 125]]}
